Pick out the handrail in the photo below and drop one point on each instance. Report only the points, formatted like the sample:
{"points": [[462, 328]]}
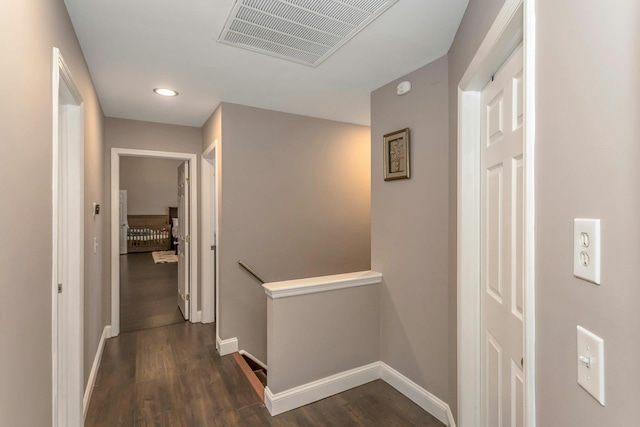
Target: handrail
{"points": [[250, 271]]}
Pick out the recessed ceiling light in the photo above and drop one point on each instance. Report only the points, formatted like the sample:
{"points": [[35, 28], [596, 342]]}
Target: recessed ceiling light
{"points": [[165, 92]]}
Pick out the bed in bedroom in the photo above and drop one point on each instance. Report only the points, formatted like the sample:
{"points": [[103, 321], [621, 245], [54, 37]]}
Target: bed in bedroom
{"points": [[148, 233]]}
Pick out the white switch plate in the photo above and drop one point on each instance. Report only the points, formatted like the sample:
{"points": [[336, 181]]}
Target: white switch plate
{"points": [[591, 363], [586, 249]]}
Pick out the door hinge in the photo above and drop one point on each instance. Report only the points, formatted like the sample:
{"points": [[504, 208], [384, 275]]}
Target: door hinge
{"points": [[187, 239], [187, 181], [187, 297], [59, 288]]}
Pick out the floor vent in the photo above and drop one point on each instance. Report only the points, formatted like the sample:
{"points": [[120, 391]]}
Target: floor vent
{"points": [[302, 31]]}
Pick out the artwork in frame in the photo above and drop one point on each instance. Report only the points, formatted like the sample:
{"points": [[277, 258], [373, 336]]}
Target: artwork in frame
{"points": [[396, 155]]}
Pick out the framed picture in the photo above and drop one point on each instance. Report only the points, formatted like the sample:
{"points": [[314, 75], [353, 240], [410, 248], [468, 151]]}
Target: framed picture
{"points": [[396, 155]]}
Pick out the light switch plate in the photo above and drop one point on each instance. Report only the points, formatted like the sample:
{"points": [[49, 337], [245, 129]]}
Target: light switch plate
{"points": [[586, 249], [591, 363]]}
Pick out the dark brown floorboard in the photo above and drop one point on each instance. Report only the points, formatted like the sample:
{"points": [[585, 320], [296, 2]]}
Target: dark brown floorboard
{"points": [[148, 293], [173, 376]]}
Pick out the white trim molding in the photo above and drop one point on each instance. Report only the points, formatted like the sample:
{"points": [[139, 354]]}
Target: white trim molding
{"points": [[418, 395], [317, 390], [106, 334], [514, 24], [67, 245], [228, 346], [312, 392], [312, 285], [255, 359], [116, 153]]}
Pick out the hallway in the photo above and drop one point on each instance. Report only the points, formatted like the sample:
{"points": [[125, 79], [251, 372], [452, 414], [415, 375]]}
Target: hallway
{"points": [[174, 376]]}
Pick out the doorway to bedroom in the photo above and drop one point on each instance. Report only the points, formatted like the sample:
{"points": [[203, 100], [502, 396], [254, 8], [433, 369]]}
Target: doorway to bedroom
{"points": [[153, 227], [149, 229]]}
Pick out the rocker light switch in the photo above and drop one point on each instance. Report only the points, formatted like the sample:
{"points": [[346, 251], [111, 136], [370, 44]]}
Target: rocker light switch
{"points": [[586, 249], [591, 363]]}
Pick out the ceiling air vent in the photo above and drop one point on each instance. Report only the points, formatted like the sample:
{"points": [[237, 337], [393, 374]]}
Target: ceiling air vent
{"points": [[303, 31]]}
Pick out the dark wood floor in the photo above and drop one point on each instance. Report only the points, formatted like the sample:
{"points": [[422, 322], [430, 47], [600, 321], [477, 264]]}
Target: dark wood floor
{"points": [[148, 293], [173, 376]]}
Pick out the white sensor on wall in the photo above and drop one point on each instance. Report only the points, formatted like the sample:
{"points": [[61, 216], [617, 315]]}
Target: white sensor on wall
{"points": [[404, 87]]}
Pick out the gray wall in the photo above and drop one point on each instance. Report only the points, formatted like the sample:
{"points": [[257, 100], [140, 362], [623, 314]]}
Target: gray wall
{"points": [[29, 29], [409, 225], [299, 353], [122, 133], [587, 156], [151, 184], [295, 202]]}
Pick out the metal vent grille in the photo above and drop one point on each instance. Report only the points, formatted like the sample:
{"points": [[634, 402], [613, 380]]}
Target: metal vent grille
{"points": [[303, 31]]}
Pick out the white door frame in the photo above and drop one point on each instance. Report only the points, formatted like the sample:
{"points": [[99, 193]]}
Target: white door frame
{"points": [[116, 153], [67, 322], [210, 172], [514, 24]]}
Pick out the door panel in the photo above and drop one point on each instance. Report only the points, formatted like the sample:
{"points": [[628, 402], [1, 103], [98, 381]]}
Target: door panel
{"points": [[183, 239], [502, 189]]}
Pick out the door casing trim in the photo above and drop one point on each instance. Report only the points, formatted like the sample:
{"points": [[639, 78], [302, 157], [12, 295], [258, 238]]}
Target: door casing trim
{"points": [[116, 153], [67, 336], [514, 24]]}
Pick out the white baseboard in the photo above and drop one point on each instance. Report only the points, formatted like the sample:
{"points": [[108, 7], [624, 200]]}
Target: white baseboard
{"points": [[197, 317], [225, 347], [317, 390], [255, 359], [417, 394], [106, 333]]}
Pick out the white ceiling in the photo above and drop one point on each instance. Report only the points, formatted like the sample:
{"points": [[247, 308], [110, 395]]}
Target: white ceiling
{"points": [[133, 46]]}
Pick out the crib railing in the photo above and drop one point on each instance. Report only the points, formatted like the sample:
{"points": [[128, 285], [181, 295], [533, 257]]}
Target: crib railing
{"points": [[149, 238]]}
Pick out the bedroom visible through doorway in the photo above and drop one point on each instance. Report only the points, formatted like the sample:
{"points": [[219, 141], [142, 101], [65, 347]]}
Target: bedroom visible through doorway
{"points": [[148, 216]]}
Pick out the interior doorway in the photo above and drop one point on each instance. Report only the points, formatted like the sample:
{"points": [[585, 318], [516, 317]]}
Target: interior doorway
{"points": [[150, 268], [210, 238], [150, 232], [514, 25]]}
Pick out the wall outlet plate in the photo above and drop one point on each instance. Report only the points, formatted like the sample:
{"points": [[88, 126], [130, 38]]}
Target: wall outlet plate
{"points": [[586, 249], [591, 363]]}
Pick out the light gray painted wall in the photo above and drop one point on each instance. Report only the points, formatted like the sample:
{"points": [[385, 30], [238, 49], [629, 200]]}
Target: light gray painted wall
{"points": [[587, 157], [409, 226], [477, 20], [212, 129], [151, 184], [295, 202], [301, 328], [123, 133], [29, 30]]}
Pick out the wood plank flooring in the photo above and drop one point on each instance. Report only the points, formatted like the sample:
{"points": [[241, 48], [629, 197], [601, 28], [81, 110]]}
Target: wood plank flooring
{"points": [[148, 293], [173, 376]]}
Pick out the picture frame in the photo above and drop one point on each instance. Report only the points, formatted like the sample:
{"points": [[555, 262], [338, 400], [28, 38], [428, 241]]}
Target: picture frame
{"points": [[396, 155]]}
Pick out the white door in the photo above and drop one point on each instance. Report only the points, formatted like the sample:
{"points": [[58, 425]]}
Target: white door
{"points": [[502, 279], [124, 223], [183, 239]]}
